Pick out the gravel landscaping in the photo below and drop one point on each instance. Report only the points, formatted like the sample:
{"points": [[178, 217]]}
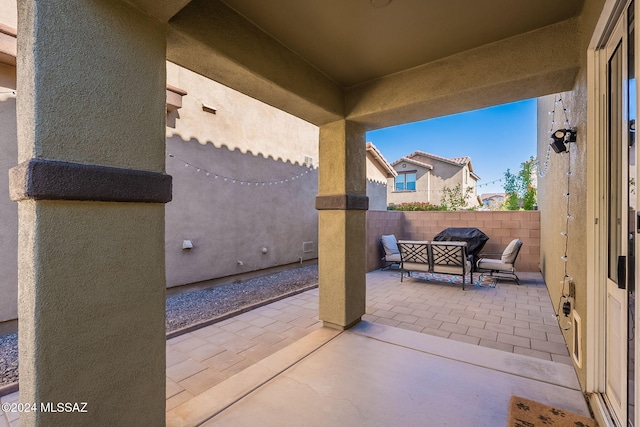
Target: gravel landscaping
{"points": [[191, 308], [8, 359], [199, 306]]}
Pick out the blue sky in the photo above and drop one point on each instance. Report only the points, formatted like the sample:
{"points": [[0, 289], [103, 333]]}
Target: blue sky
{"points": [[495, 138]]}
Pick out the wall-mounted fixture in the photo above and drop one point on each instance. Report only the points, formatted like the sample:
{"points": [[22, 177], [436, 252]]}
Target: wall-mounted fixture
{"points": [[561, 137], [240, 263], [307, 247], [174, 98], [208, 108], [187, 245], [265, 250]]}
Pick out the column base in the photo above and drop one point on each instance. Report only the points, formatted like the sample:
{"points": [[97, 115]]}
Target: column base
{"points": [[341, 327]]}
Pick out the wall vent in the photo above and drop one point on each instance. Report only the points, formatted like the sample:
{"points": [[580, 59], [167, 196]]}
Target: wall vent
{"points": [[307, 247], [576, 345], [308, 161]]}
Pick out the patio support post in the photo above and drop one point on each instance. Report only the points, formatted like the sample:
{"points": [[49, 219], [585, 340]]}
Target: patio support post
{"points": [[342, 205], [91, 188]]}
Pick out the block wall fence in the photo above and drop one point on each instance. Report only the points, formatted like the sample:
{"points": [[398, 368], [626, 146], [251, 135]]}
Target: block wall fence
{"points": [[500, 226]]}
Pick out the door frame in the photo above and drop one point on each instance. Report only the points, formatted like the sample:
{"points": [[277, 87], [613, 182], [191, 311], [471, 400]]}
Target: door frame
{"points": [[596, 213]]}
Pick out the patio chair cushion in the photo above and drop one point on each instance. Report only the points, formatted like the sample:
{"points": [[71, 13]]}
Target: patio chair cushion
{"points": [[493, 264], [393, 258], [511, 251], [446, 269], [390, 245]]}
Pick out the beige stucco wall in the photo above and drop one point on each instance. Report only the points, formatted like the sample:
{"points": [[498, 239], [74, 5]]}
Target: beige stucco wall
{"points": [[551, 188], [9, 15], [230, 223], [376, 184], [8, 209], [245, 139], [375, 171], [423, 191], [377, 194], [240, 121], [91, 274], [552, 204]]}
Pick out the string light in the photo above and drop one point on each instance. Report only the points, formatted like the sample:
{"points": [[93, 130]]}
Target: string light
{"points": [[542, 171], [489, 183], [565, 233], [243, 182]]}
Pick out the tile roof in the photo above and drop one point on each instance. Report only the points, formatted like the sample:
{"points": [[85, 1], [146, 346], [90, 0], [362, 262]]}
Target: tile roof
{"points": [[457, 161], [391, 172]]}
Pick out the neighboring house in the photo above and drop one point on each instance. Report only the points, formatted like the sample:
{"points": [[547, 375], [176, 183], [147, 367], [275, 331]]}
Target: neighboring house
{"points": [[492, 201], [423, 176], [379, 171]]}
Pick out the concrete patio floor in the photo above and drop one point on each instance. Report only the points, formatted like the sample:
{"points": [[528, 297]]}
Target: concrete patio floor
{"points": [[410, 331], [377, 375]]}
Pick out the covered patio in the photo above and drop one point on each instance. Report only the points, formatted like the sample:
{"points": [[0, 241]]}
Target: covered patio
{"points": [[91, 253], [425, 350], [427, 326]]}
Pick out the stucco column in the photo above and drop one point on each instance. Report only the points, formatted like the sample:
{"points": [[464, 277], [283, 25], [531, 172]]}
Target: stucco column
{"points": [[342, 204], [91, 188]]}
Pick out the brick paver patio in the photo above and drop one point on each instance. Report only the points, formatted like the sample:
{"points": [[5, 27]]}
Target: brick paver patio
{"points": [[517, 319]]}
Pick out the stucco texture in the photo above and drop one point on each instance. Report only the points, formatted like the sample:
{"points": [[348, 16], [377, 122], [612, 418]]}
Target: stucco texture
{"points": [[553, 206], [551, 188], [230, 222], [376, 183], [90, 274], [8, 209], [88, 291], [73, 89]]}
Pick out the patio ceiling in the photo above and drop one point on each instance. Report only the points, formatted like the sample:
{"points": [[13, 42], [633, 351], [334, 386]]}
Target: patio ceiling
{"points": [[354, 41], [324, 60]]}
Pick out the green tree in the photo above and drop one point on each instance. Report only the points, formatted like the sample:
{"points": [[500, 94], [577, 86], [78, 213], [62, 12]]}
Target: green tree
{"points": [[454, 199], [526, 175], [520, 189], [511, 188]]}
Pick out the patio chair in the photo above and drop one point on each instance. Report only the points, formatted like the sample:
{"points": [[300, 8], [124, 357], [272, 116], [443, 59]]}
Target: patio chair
{"points": [[415, 255], [391, 251], [451, 258], [506, 263]]}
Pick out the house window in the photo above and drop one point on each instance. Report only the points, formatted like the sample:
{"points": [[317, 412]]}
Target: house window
{"points": [[406, 181]]}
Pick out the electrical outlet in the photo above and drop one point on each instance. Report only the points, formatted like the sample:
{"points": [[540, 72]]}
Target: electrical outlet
{"points": [[568, 285], [572, 288]]}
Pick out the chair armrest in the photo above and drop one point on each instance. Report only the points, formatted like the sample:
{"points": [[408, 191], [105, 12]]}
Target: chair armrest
{"points": [[490, 254]]}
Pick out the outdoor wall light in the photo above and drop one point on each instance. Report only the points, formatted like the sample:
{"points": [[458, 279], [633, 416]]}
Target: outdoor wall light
{"points": [[187, 245], [560, 137]]}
